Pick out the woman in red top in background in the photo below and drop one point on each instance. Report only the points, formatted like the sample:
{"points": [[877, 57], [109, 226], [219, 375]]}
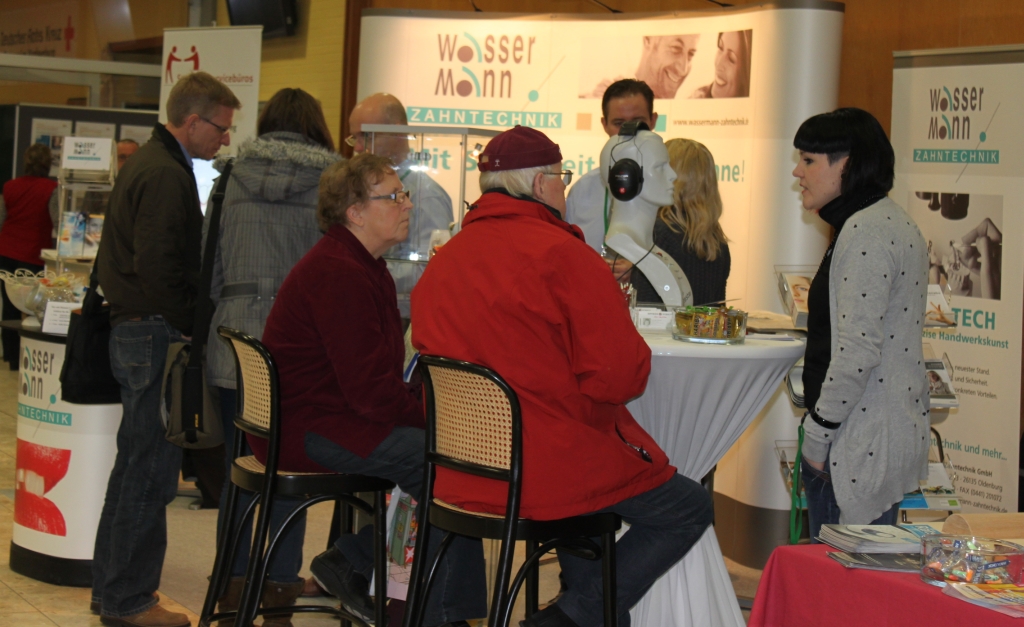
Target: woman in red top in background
{"points": [[25, 229]]}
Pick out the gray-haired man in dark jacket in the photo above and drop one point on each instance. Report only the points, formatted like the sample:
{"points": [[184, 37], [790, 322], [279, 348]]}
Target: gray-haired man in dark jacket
{"points": [[149, 271]]}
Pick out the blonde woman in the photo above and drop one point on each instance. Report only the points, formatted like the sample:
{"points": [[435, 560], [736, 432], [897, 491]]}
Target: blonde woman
{"points": [[689, 230]]}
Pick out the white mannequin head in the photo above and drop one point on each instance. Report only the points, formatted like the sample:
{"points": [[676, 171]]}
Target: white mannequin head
{"points": [[636, 217]]}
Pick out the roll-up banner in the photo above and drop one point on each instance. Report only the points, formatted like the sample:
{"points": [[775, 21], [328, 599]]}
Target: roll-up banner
{"points": [[960, 174], [739, 80], [231, 55]]}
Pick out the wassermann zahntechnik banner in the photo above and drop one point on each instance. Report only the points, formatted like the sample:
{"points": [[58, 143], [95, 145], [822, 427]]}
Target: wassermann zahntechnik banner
{"points": [[959, 165]]}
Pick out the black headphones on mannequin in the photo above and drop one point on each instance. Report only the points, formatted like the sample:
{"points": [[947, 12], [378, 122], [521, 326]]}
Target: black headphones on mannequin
{"points": [[626, 176]]}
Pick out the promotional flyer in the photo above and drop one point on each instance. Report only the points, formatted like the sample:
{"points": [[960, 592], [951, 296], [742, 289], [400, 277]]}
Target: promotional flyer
{"points": [[959, 161]]}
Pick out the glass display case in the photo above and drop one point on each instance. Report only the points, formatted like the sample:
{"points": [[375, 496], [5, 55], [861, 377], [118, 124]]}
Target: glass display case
{"points": [[438, 165], [85, 180]]}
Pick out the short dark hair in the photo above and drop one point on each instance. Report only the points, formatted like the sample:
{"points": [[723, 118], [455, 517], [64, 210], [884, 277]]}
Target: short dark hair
{"points": [[854, 133], [295, 111], [347, 183], [198, 93], [38, 159], [627, 87]]}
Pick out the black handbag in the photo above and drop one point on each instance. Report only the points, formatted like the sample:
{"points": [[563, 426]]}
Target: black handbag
{"points": [[86, 377], [191, 410]]}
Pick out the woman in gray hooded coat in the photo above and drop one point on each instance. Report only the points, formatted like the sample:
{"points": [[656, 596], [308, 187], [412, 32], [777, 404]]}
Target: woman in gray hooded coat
{"points": [[268, 222]]}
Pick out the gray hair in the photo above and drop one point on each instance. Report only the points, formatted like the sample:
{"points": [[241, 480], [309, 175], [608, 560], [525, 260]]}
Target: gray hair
{"points": [[517, 182], [198, 93]]}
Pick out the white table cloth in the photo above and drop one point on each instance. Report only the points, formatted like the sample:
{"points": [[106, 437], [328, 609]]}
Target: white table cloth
{"points": [[698, 401]]}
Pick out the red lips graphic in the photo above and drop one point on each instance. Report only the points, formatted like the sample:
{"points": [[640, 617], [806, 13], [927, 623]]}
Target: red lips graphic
{"points": [[39, 469]]}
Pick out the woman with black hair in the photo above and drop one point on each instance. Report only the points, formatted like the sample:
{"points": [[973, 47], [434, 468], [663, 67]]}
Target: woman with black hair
{"points": [[866, 443]]}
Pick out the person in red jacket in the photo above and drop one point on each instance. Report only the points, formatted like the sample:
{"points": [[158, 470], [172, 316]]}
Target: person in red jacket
{"points": [[519, 291], [25, 229]]}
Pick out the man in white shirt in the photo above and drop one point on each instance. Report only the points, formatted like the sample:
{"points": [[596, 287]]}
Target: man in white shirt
{"points": [[432, 206], [589, 203]]}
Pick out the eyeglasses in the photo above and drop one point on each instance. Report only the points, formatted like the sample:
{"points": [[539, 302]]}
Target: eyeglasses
{"points": [[397, 198], [565, 174], [352, 140], [224, 130]]}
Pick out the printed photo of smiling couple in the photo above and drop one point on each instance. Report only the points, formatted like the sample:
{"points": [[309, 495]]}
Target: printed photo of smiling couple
{"points": [[674, 66]]}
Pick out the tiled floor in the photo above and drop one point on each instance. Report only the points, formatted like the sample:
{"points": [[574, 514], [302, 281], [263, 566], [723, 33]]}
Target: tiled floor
{"points": [[25, 602]]}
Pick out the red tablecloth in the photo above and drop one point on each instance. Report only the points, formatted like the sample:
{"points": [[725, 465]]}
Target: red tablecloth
{"points": [[802, 586]]}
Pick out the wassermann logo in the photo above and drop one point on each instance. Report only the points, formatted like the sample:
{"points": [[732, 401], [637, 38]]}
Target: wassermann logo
{"points": [[958, 115], [959, 104], [493, 64]]}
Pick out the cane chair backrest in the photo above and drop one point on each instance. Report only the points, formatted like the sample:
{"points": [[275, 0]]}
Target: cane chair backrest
{"points": [[473, 418], [255, 394]]}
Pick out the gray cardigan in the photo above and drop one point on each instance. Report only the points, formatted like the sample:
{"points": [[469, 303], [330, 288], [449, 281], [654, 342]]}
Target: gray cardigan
{"points": [[268, 222], [875, 386]]}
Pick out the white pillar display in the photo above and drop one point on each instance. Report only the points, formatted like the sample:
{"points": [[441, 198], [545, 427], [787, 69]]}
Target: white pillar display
{"points": [[232, 55], [959, 169]]}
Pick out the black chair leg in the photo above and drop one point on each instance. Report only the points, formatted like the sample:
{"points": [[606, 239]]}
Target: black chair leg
{"points": [[222, 563], [611, 617], [253, 589], [504, 575], [532, 580], [380, 558]]}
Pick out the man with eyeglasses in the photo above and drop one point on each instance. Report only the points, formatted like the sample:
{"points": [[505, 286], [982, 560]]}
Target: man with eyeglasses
{"points": [[589, 203], [149, 270], [531, 301], [433, 205]]}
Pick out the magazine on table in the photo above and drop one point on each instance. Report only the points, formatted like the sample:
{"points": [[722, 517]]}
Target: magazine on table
{"points": [[892, 562], [871, 538], [1005, 599]]}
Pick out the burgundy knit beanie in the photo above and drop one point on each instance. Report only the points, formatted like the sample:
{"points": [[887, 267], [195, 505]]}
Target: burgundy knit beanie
{"points": [[518, 148]]}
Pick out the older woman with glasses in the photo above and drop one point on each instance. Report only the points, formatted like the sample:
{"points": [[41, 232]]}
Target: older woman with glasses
{"points": [[336, 334]]}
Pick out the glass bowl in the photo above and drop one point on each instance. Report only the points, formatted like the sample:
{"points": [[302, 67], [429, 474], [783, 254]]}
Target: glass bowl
{"points": [[970, 559], [710, 325]]}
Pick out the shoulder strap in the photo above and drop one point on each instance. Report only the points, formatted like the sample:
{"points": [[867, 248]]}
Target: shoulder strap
{"points": [[204, 308]]}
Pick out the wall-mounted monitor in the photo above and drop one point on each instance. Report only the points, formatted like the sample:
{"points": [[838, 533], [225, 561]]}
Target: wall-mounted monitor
{"points": [[279, 18]]}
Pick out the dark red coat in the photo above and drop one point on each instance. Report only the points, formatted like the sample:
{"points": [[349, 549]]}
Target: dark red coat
{"points": [[27, 228], [337, 338], [519, 291]]}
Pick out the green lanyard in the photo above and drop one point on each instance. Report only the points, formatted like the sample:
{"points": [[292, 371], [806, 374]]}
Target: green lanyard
{"points": [[607, 211]]}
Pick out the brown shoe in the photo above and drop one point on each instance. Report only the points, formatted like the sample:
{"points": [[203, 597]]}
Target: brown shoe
{"points": [[229, 601], [155, 616], [94, 606]]}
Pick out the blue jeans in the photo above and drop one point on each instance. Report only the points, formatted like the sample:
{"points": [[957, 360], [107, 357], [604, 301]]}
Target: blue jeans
{"points": [[132, 534], [822, 508], [459, 590], [664, 523], [284, 568]]}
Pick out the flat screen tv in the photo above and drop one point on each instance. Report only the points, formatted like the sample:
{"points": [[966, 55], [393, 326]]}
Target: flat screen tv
{"points": [[278, 17]]}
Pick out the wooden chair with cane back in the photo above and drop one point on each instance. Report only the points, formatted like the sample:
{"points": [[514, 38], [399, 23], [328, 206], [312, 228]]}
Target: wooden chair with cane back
{"points": [[474, 426], [259, 414]]}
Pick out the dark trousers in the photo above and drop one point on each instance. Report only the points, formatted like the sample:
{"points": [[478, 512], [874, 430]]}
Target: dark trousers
{"points": [[822, 508], [459, 591], [132, 535], [10, 340], [287, 562], [664, 523]]}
